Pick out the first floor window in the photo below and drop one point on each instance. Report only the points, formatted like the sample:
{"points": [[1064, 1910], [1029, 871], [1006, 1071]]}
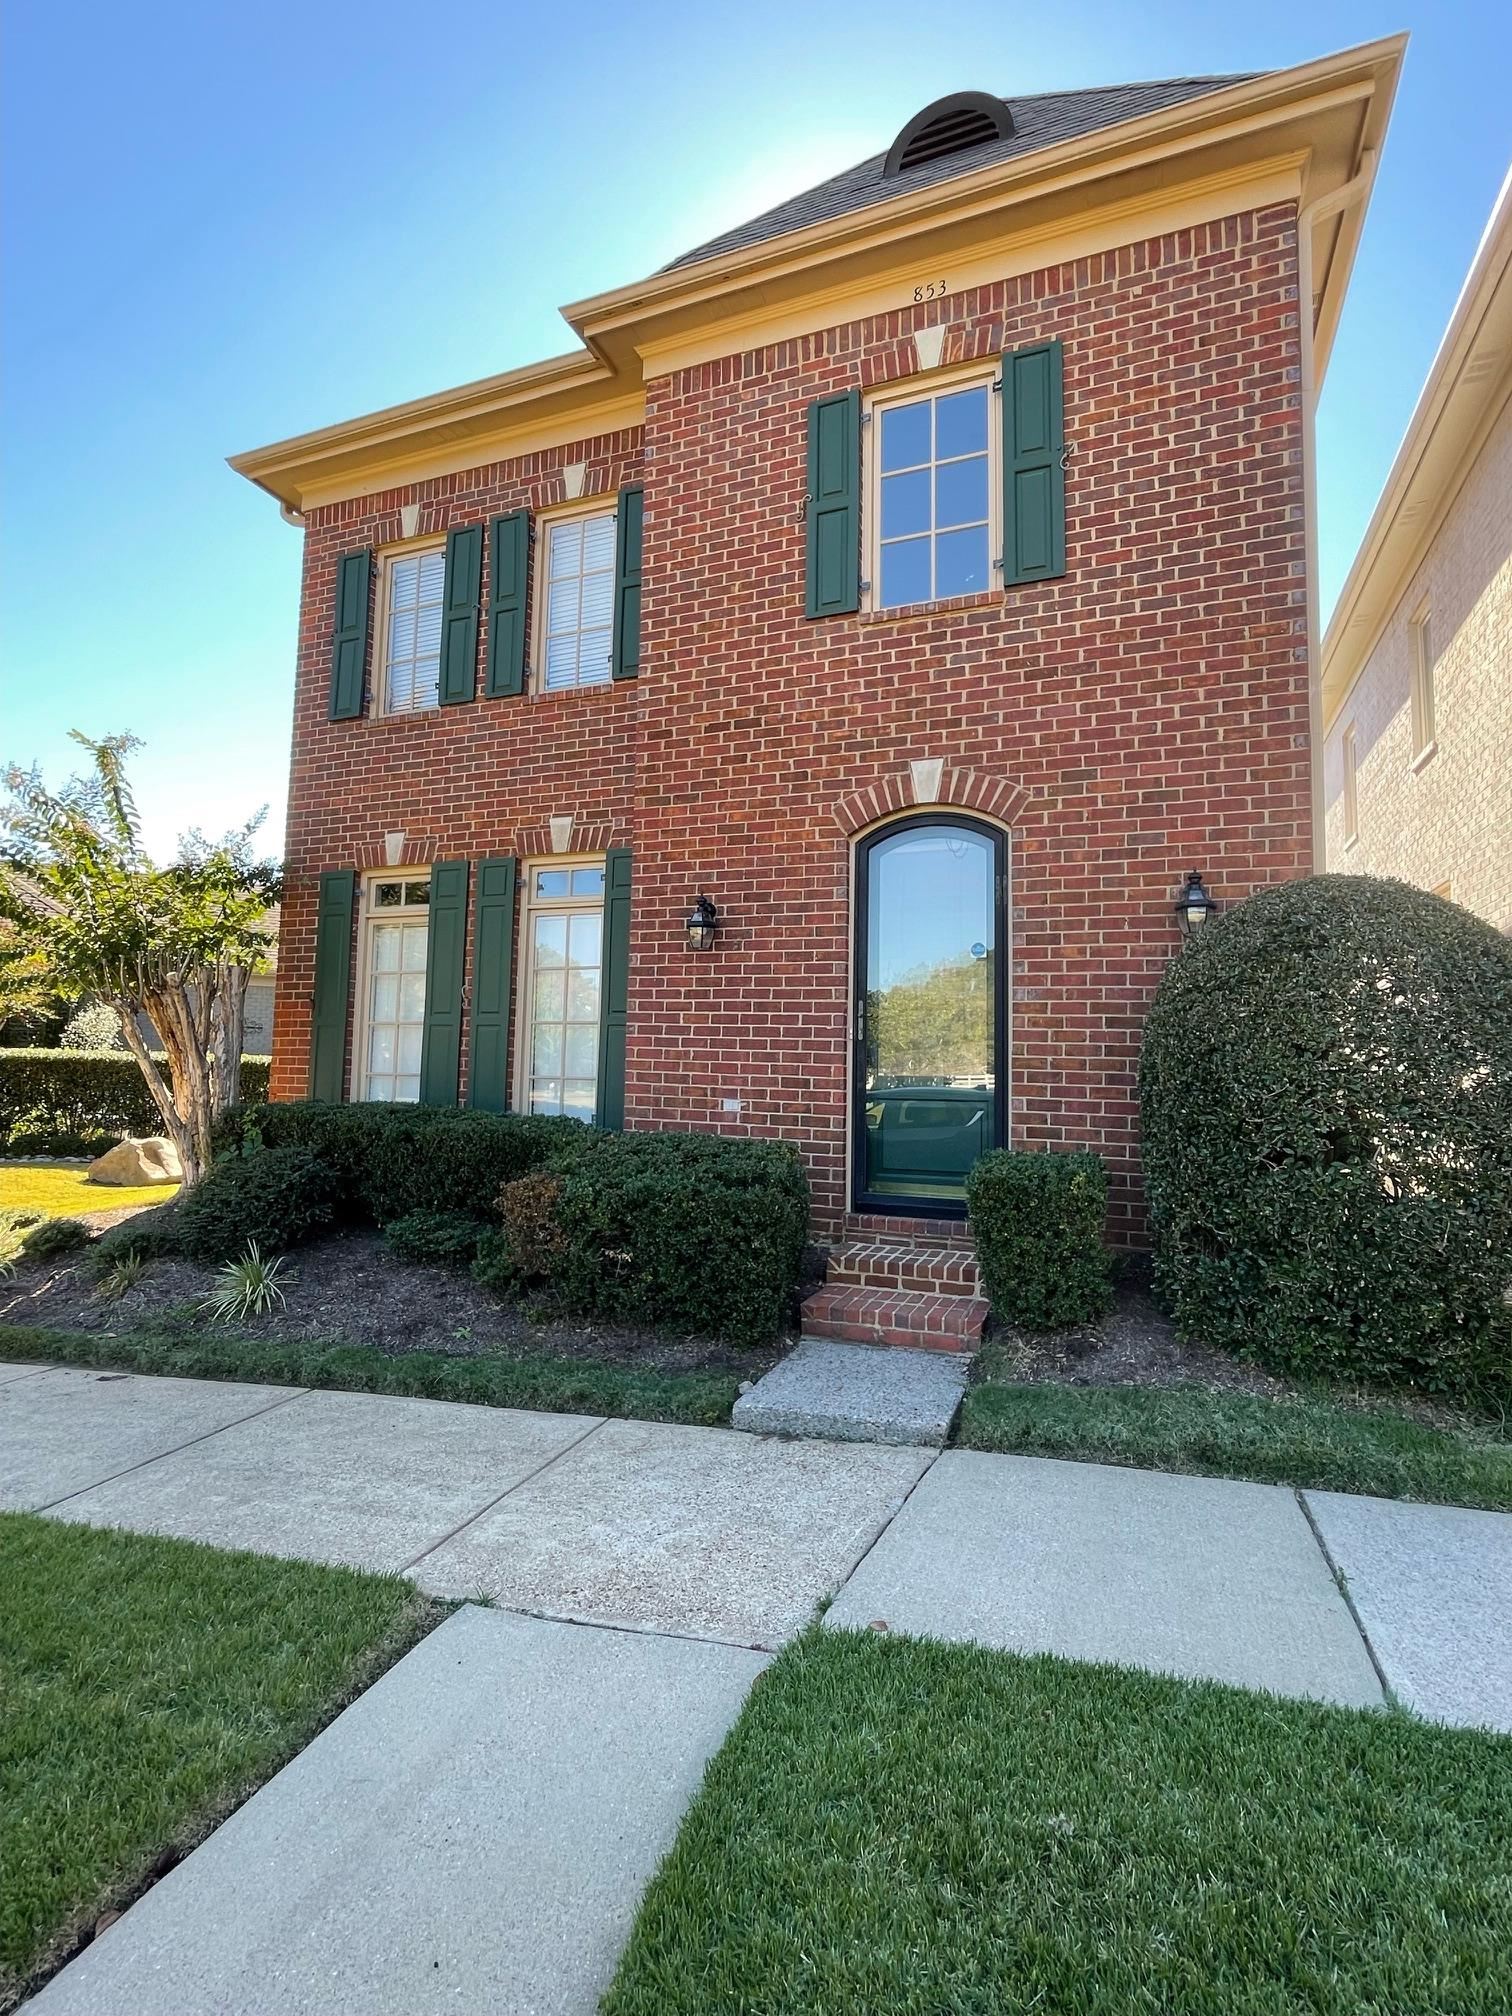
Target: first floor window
{"points": [[414, 586], [394, 989], [564, 939], [579, 600], [932, 496]]}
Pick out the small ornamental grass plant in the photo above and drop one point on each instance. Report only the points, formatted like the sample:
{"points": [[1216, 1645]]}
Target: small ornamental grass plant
{"points": [[250, 1286]]}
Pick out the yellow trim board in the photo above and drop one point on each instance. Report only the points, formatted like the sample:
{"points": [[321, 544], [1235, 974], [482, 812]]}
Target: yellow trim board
{"points": [[1314, 121]]}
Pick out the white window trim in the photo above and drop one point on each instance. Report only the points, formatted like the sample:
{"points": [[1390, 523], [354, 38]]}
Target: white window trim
{"points": [[1422, 700], [531, 907], [367, 914], [408, 549], [604, 506], [1350, 756], [905, 392]]}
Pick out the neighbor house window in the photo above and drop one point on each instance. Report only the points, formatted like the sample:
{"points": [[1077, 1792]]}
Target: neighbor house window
{"points": [[1421, 640], [413, 585], [577, 601], [564, 940], [395, 928], [1351, 786], [932, 498]]}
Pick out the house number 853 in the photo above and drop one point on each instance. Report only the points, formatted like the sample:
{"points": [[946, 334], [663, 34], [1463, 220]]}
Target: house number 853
{"points": [[931, 292]]}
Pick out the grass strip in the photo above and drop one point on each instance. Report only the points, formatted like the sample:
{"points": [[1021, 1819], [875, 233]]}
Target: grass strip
{"points": [[149, 1687], [1305, 1441], [555, 1385], [62, 1190], [913, 1827]]}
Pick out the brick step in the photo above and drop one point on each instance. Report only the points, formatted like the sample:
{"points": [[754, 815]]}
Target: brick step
{"points": [[870, 1228], [919, 1321], [895, 1263]]}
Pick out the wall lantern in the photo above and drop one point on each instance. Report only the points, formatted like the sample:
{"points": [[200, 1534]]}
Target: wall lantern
{"points": [[1193, 905], [703, 922]]}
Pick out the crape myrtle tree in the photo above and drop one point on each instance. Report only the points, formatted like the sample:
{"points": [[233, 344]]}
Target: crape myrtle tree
{"points": [[89, 913]]}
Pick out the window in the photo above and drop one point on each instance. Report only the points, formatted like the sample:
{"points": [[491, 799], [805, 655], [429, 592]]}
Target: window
{"points": [[577, 630], [564, 936], [1421, 643], [1351, 787], [413, 587], [933, 499], [393, 997]]}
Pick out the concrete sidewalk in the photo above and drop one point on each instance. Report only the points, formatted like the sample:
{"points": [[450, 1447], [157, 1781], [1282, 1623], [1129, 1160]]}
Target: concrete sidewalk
{"points": [[476, 1830]]}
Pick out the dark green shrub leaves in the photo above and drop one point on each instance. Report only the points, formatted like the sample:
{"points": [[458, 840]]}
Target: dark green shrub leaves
{"points": [[1037, 1220]]}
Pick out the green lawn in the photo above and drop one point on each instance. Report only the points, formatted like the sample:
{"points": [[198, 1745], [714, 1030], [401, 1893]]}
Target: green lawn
{"points": [[1303, 1441], [61, 1190], [146, 1687], [902, 1827], [557, 1385]]}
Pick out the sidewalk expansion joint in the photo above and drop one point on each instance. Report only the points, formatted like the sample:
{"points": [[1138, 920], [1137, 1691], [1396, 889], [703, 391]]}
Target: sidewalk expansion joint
{"points": [[95, 1483], [839, 1588], [624, 1626], [518, 1485], [1341, 1583]]}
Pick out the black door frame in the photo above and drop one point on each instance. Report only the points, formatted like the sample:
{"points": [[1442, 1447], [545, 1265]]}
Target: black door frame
{"points": [[906, 1207]]}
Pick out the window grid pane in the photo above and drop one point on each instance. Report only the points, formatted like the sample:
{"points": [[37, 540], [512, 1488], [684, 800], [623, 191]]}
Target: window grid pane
{"points": [[412, 660], [566, 948], [934, 512], [395, 1010], [579, 602]]}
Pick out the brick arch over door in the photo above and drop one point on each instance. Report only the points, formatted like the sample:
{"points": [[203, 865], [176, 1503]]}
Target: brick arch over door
{"points": [[927, 783]]}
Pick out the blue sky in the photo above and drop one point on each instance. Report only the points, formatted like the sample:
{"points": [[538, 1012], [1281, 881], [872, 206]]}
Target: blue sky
{"points": [[222, 225]]}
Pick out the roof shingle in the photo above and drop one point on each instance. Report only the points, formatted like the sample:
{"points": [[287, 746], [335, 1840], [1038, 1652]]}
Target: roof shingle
{"points": [[1040, 121]]}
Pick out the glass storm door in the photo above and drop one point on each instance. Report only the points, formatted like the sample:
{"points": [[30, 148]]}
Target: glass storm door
{"points": [[930, 1015]]}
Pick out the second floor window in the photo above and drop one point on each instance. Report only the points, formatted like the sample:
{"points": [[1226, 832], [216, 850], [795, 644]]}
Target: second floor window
{"points": [[414, 584], [933, 496], [577, 620]]}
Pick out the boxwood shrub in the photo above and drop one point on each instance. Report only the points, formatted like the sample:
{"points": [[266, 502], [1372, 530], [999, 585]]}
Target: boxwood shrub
{"points": [[146, 1235], [77, 1102], [1326, 1109], [55, 1237], [278, 1198], [434, 1238], [1037, 1220]]}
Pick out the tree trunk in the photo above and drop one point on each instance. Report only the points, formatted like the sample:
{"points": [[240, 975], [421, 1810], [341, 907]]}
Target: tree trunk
{"points": [[163, 1096], [228, 1022]]}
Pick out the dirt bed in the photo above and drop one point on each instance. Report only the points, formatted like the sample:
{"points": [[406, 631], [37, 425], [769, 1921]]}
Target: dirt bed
{"points": [[1133, 1345], [350, 1289]]}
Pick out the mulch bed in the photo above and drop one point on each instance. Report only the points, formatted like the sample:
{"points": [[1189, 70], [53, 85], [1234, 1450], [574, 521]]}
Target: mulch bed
{"points": [[350, 1289], [1133, 1345]]}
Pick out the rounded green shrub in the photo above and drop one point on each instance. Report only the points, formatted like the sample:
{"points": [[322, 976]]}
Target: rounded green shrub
{"points": [[54, 1237], [433, 1239], [1326, 1111], [149, 1235], [278, 1198], [1037, 1223]]}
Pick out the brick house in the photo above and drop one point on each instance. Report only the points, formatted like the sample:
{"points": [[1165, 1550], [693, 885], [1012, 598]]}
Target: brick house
{"points": [[1417, 663], [919, 575]]}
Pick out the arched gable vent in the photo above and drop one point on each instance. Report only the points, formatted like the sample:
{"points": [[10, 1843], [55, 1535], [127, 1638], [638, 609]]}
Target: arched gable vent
{"points": [[950, 125]]}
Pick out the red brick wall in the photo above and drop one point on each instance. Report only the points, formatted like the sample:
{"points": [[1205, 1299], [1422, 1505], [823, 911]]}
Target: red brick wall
{"points": [[1145, 714]]}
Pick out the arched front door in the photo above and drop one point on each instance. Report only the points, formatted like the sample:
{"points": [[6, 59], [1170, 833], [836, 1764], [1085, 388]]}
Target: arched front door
{"points": [[931, 1012]]}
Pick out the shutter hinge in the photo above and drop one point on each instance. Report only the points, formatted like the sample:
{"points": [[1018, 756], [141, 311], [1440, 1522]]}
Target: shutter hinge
{"points": [[997, 565], [803, 510], [997, 384], [1065, 454], [866, 418], [865, 587]]}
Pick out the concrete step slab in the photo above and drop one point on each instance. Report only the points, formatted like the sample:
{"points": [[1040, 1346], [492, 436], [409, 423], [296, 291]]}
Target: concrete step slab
{"points": [[473, 1834], [857, 1393], [1195, 1576], [1432, 1585]]}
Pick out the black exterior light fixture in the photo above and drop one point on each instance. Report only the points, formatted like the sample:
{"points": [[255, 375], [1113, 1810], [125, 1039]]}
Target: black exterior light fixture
{"points": [[1193, 906], [703, 922]]}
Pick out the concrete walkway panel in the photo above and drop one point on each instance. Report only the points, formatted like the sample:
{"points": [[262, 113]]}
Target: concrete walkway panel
{"points": [[361, 1479], [857, 1393], [1433, 1588], [8, 1372], [68, 1429], [1188, 1575], [691, 1530], [472, 1835]]}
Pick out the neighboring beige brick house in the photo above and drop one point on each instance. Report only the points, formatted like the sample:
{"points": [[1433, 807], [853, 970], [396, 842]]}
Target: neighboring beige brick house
{"points": [[1417, 663]]}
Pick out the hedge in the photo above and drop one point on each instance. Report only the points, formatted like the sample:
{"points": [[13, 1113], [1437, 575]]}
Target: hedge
{"points": [[1326, 1109], [277, 1199], [74, 1102], [1037, 1220]]}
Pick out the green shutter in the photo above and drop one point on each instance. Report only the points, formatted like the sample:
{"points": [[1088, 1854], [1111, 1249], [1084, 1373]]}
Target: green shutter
{"points": [[333, 984], [349, 633], [508, 581], [446, 941], [459, 614], [627, 582], [613, 1012], [1034, 482], [834, 505], [493, 965]]}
